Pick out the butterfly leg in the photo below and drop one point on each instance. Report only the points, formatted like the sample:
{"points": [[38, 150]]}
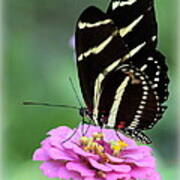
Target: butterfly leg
{"points": [[84, 132], [117, 134], [72, 134]]}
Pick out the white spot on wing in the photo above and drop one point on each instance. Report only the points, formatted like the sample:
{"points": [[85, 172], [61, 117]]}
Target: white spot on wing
{"points": [[141, 107], [143, 102], [145, 93], [137, 116], [157, 73], [150, 58], [83, 25], [154, 86], [144, 97], [156, 79], [143, 67], [122, 3], [153, 38], [139, 112], [141, 77], [145, 88]]}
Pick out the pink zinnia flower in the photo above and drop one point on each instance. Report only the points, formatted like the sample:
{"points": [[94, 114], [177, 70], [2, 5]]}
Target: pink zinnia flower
{"points": [[99, 155]]}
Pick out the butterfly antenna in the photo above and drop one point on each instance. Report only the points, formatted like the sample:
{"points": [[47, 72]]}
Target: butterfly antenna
{"points": [[88, 127], [75, 92], [50, 105]]}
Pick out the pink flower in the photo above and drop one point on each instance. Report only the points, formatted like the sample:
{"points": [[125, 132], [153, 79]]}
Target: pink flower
{"points": [[100, 155]]}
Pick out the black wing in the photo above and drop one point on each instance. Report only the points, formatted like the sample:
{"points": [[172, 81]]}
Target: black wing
{"points": [[121, 97], [153, 65], [99, 48], [142, 14], [128, 101], [136, 20]]}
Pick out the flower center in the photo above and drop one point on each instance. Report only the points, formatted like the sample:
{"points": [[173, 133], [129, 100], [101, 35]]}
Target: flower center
{"points": [[93, 144], [97, 145], [117, 146]]}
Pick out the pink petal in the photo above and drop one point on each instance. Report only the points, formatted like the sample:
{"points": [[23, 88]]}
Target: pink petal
{"points": [[146, 162], [132, 156], [93, 178], [145, 149], [99, 166], [63, 160], [56, 141], [141, 173], [40, 155], [110, 135], [91, 129], [78, 150], [115, 159], [120, 168], [46, 143], [50, 168], [115, 176], [81, 168], [138, 152], [64, 173], [59, 155], [62, 132]]}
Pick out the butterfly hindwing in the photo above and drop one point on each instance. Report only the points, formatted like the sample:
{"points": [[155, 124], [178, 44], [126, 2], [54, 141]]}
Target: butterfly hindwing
{"points": [[128, 101]]}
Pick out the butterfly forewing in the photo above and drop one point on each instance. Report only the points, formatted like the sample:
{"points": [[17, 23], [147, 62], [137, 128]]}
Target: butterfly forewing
{"points": [[136, 20], [98, 46]]}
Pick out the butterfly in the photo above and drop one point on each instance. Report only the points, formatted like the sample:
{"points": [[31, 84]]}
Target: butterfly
{"points": [[123, 77]]}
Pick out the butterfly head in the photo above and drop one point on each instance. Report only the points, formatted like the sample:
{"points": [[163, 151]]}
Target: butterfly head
{"points": [[85, 112]]}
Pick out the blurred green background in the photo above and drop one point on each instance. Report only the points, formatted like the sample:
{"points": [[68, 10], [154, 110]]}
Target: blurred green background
{"points": [[38, 61]]}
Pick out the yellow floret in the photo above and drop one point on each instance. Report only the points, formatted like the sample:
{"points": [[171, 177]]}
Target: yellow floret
{"points": [[118, 146], [98, 136]]}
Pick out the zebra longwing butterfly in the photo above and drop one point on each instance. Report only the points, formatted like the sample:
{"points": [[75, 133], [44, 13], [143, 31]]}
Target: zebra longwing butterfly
{"points": [[123, 77]]}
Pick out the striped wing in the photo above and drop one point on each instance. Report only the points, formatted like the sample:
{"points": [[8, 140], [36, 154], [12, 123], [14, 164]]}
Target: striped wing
{"points": [[128, 101], [123, 78], [136, 20], [153, 63], [99, 48]]}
